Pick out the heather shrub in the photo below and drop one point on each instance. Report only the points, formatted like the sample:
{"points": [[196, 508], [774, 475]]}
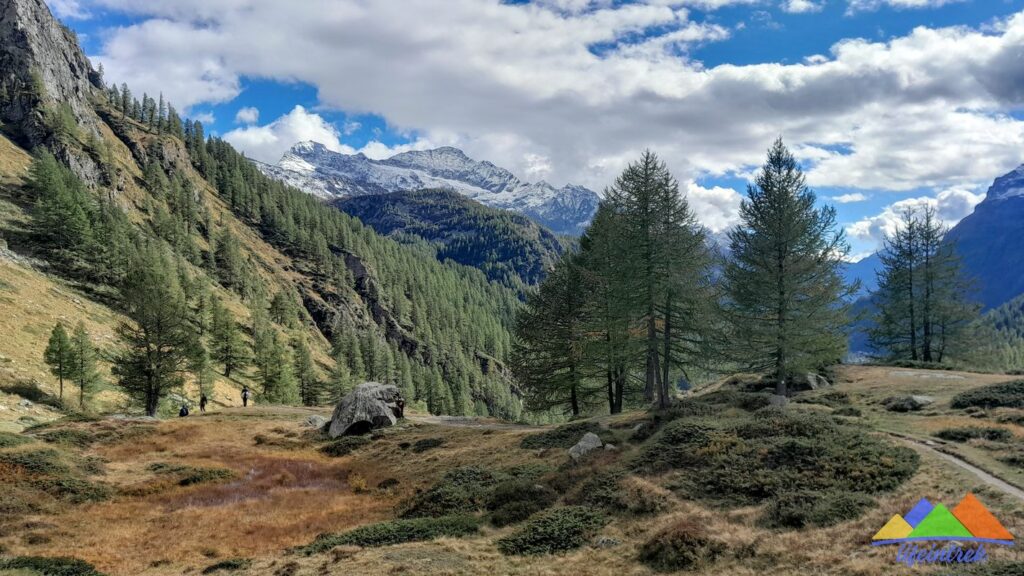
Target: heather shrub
{"points": [[556, 530], [395, 532], [1006, 395], [683, 545], [803, 508], [965, 434]]}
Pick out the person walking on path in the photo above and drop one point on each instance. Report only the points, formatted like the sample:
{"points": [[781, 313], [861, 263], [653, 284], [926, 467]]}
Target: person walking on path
{"points": [[202, 403], [245, 396]]}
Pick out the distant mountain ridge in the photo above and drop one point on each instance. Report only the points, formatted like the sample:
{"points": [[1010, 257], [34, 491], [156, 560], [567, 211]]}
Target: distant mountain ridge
{"points": [[312, 167], [508, 247]]}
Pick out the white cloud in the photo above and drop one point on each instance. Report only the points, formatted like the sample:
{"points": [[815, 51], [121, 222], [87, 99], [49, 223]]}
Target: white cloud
{"points": [[506, 81], [850, 198], [269, 142], [951, 206], [204, 117], [350, 127], [247, 115], [69, 9], [802, 6], [867, 5], [716, 208]]}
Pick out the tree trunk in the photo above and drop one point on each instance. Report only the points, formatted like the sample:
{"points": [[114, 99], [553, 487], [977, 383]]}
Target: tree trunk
{"points": [[573, 399], [663, 400]]}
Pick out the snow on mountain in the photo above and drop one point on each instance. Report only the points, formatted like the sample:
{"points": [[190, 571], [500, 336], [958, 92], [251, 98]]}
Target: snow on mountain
{"points": [[311, 167], [1007, 186]]}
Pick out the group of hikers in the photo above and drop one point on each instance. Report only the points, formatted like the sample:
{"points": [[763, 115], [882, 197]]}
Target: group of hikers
{"points": [[203, 401]]}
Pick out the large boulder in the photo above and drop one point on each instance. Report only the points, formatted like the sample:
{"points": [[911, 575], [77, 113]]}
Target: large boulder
{"points": [[369, 407], [586, 445]]}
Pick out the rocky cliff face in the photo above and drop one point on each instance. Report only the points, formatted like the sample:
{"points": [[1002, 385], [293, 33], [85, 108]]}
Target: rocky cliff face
{"points": [[42, 72]]}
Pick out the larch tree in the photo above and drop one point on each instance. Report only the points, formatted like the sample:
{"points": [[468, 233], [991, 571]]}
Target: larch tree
{"points": [[157, 337], [59, 357], [785, 296], [84, 357]]}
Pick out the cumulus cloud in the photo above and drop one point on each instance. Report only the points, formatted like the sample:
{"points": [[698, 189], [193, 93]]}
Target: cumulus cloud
{"points": [[717, 208], [588, 85], [269, 142], [68, 9], [802, 6], [850, 198], [247, 115], [950, 205], [866, 5]]}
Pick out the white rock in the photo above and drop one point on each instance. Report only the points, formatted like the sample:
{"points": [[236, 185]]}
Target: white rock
{"points": [[586, 445]]}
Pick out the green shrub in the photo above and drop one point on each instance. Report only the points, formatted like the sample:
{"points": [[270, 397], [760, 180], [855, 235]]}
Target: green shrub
{"points": [[965, 434], [683, 545], [1006, 395], [1012, 418], [190, 475], [345, 445], [71, 489], [231, 564], [803, 508], [44, 461], [747, 459], [565, 436], [513, 501], [426, 444], [556, 530], [461, 491], [69, 437], [395, 532], [50, 566], [832, 399], [9, 440], [846, 411], [532, 471]]}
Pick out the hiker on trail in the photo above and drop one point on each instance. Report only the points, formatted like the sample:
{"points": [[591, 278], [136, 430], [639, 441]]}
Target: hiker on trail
{"points": [[245, 396], [202, 403], [184, 411]]}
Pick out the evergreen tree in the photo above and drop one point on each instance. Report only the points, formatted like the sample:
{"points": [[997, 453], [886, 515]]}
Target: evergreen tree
{"points": [[157, 337], [340, 381], [84, 363], [785, 296], [923, 299], [59, 357], [305, 372], [276, 375], [227, 346]]}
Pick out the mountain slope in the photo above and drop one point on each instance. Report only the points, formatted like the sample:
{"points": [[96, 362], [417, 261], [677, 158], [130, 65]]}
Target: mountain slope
{"points": [[508, 247], [143, 178], [989, 240], [310, 166]]}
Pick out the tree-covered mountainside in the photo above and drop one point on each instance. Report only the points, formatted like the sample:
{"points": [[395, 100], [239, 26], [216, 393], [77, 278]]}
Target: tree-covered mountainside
{"points": [[508, 247], [122, 190]]}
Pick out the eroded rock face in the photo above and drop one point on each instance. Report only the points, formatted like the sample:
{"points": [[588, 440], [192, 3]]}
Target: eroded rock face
{"points": [[369, 407]]}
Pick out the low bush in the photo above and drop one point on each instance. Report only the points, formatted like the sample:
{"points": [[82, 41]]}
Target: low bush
{"points": [[461, 491], [532, 471], [10, 440], [426, 444], [556, 530], [1015, 459], [683, 545], [965, 434], [395, 532], [69, 437], [387, 484], [513, 501], [1011, 418], [832, 399], [31, 391], [617, 493], [565, 436], [47, 566], [229, 565], [803, 508], [44, 461], [749, 458], [1006, 395], [345, 445], [190, 475], [846, 411]]}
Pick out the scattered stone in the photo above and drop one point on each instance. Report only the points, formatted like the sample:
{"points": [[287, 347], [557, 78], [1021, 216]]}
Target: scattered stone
{"points": [[586, 445], [610, 447], [25, 403], [316, 421], [909, 403], [808, 381], [368, 407], [605, 542]]}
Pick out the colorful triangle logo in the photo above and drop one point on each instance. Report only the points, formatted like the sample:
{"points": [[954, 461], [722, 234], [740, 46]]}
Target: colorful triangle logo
{"points": [[970, 520]]}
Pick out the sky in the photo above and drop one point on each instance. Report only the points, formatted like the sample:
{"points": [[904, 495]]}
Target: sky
{"points": [[887, 104]]}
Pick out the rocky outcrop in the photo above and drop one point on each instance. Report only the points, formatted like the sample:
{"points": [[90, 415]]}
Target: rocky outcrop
{"points": [[43, 71], [369, 407], [807, 381]]}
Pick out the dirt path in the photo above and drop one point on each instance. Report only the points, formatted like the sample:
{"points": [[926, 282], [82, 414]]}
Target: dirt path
{"points": [[468, 422], [980, 474]]}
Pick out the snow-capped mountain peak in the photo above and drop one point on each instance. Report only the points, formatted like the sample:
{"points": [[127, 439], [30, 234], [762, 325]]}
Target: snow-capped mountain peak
{"points": [[312, 167], [1010, 185]]}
